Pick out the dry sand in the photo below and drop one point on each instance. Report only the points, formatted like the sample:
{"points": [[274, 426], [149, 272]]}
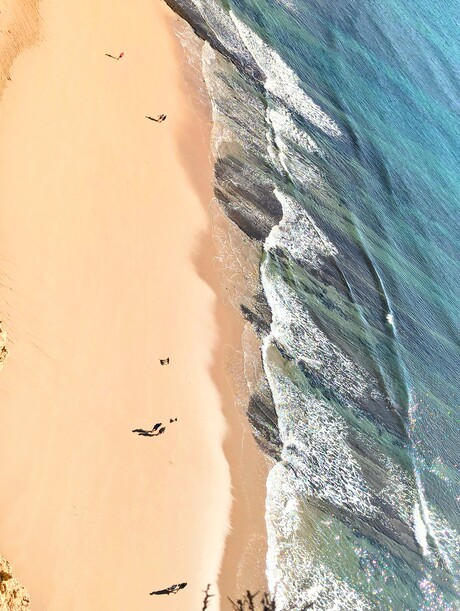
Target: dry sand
{"points": [[105, 268]]}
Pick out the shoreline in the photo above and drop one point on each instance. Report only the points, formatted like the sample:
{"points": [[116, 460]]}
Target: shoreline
{"points": [[243, 563], [39, 344]]}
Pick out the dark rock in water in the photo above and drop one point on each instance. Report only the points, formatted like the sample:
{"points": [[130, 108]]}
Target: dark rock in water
{"points": [[252, 207], [188, 11], [264, 420], [383, 533], [258, 313], [249, 202], [259, 324], [240, 217]]}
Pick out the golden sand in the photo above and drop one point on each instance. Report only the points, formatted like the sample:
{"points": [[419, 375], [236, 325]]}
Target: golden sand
{"points": [[106, 267]]}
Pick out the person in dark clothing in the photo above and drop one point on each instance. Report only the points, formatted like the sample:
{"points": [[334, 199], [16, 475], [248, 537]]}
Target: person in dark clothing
{"points": [[158, 119], [174, 589], [153, 432], [114, 57]]}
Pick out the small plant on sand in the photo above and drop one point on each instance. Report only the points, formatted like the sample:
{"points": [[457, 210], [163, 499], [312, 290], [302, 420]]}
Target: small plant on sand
{"points": [[249, 602], [207, 597]]}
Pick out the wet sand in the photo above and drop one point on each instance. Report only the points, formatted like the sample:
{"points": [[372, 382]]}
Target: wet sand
{"points": [[243, 563], [106, 267]]}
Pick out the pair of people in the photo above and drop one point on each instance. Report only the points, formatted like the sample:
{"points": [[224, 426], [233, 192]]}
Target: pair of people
{"points": [[158, 119], [156, 430]]}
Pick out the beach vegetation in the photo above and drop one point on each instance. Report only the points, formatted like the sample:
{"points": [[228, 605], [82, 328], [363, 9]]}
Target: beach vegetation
{"points": [[248, 602], [254, 602]]}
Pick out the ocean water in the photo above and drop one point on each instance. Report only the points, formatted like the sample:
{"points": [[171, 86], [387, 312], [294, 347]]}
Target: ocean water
{"points": [[336, 136]]}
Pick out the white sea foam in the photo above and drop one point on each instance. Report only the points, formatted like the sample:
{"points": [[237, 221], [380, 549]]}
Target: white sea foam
{"points": [[399, 489], [298, 234], [428, 522], [300, 171], [293, 328], [282, 82], [294, 575], [223, 27], [222, 136], [446, 538], [317, 460], [238, 114], [314, 436], [315, 444], [284, 125], [289, 5], [329, 470], [307, 424], [282, 137], [434, 600], [420, 529]]}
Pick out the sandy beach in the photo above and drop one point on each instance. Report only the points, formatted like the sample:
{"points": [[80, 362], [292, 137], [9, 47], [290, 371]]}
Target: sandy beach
{"points": [[106, 262]]}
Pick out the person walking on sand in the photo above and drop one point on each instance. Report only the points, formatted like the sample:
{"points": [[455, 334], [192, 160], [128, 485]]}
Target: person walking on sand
{"points": [[174, 589], [159, 119], [114, 57]]}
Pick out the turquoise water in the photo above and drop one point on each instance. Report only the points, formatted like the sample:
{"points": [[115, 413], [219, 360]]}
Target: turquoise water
{"points": [[338, 152]]}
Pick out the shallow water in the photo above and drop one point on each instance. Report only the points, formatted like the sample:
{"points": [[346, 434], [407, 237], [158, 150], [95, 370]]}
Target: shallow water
{"points": [[336, 131]]}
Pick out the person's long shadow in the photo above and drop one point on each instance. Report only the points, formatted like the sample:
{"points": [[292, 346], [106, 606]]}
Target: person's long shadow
{"points": [[114, 57]]}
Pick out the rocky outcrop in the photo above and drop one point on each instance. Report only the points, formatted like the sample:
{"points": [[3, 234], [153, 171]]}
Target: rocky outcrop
{"points": [[13, 596]]}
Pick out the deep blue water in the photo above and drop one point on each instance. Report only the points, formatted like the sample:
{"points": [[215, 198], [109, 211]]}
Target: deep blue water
{"points": [[361, 276]]}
